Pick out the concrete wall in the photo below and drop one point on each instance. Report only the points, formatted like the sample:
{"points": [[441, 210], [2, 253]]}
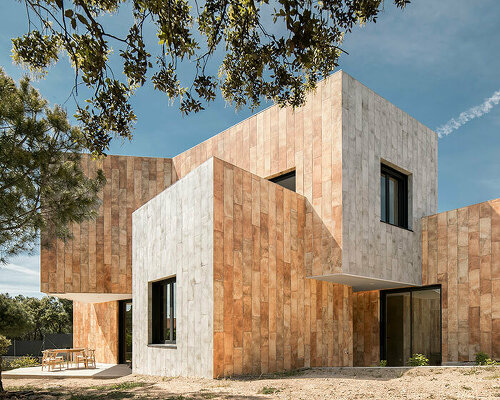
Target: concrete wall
{"points": [[374, 130], [461, 251], [268, 316], [95, 326], [99, 258], [173, 235]]}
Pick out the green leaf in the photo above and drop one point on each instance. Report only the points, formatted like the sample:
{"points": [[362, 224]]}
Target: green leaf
{"points": [[259, 61], [82, 19]]}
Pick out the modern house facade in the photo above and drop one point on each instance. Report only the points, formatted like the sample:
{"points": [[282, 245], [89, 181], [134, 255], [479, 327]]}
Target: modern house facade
{"points": [[296, 238]]}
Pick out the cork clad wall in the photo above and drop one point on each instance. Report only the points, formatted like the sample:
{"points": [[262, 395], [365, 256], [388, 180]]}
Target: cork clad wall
{"points": [[366, 328], [95, 326], [99, 258], [307, 140], [461, 251], [267, 315]]}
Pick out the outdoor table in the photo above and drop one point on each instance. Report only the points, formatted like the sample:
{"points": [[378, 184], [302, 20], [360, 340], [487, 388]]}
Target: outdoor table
{"points": [[70, 353]]}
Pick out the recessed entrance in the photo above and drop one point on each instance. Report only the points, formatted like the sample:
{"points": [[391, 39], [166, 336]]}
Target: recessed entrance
{"points": [[125, 332], [410, 324]]}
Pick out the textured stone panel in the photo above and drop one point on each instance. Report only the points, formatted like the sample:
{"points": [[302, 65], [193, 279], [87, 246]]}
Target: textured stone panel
{"points": [[374, 130], [173, 236], [99, 258], [461, 251], [268, 315], [366, 328], [277, 140], [95, 326]]}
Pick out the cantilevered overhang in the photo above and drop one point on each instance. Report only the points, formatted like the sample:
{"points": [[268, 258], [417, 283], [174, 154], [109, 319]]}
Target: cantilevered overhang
{"points": [[93, 297], [362, 283]]}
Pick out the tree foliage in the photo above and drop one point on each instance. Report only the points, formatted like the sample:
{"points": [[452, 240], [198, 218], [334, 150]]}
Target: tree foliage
{"points": [[275, 50], [4, 345], [42, 184], [30, 318], [14, 320]]}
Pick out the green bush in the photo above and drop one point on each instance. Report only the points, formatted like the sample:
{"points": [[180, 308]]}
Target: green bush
{"points": [[418, 360], [484, 359], [383, 363], [269, 390], [21, 362]]}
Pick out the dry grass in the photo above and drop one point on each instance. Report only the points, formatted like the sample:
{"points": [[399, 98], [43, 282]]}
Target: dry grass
{"points": [[315, 384]]}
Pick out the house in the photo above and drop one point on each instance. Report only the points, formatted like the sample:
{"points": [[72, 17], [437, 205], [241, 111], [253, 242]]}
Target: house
{"points": [[293, 239]]}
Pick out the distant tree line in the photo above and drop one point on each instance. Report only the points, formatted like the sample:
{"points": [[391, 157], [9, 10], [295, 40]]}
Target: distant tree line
{"points": [[30, 318]]}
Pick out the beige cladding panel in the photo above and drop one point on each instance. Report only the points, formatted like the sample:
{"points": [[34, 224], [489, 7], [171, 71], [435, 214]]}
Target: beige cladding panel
{"points": [[375, 131], [173, 236]]}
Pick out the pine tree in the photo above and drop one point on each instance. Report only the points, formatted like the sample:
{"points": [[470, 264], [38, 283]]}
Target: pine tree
{"points": [[42, 184]]}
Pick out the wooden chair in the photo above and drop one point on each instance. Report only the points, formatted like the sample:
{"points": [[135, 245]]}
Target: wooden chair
{"points": [[51, 360], [87, 358]]}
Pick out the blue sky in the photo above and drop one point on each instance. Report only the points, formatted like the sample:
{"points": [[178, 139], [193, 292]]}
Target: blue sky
{"points": [[435, 60]]}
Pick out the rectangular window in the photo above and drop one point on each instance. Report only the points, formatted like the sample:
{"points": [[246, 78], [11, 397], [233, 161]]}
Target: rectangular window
{"points": [[163, 311], [286, 180], [393, 197]]}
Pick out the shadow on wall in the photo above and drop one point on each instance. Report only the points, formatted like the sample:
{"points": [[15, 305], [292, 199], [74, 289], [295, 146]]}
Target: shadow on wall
{"points": [[323, 256], [95, 326]]}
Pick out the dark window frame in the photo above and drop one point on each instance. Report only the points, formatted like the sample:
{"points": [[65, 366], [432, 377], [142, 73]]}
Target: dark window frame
{"points": [[402, 180], [279, 178], [158, 314], [383, 316]]}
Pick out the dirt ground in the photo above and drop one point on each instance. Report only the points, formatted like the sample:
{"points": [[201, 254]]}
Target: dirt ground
{"points": [[334, 383]]}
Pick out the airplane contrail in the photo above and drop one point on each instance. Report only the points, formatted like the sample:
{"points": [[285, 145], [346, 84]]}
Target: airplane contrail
{"points": [[471, 113]]}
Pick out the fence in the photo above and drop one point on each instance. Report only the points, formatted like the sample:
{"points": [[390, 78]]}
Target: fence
{"points": [[35, 347]]}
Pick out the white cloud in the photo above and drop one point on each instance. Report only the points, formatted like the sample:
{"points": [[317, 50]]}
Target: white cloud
{"points": [[429, 38], [20, 269], [21, 276], [471, 113]]}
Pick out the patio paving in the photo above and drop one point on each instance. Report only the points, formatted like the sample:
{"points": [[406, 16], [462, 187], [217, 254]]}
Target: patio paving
{"points": [[102, 371]]}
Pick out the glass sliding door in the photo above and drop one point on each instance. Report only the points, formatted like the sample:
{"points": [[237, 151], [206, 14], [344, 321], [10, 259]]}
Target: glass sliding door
{"points": [[426, 330], [410, 323], [397, 328]]}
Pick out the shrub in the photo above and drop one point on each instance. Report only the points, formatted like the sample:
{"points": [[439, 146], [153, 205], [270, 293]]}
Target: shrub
{"points": [[383, 363], [4, 345], [418, 360], [21, 362], [484, 359], [269, 390]]}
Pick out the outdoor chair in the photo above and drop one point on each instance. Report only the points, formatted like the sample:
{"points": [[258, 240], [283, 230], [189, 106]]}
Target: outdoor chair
{"points": [[51, 360], [87, 358]]}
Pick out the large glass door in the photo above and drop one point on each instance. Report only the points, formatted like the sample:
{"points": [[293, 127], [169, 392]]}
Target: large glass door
{"points": [[426, 327], [411, 323], [125, 332], [397, 332]]}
